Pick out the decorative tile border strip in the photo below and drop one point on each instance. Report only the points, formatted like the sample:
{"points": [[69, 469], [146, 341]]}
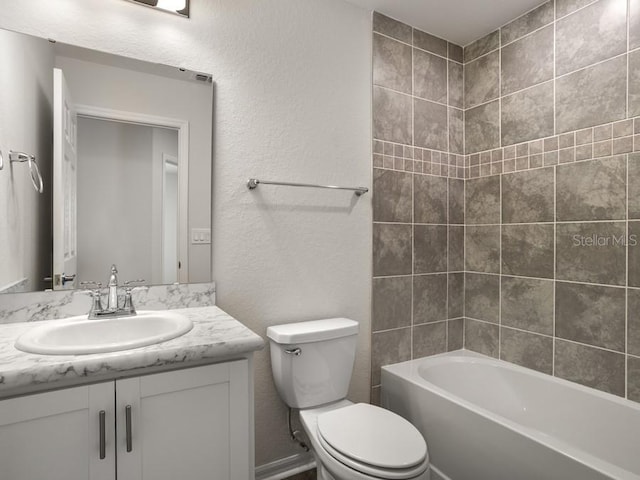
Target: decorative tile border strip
{"points": [[404, 158], [615, 138], [589, 143]]}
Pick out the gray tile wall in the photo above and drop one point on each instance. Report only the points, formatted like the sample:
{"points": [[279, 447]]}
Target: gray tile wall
{"points": [[560, 68], [552, 245], [418, 195], [552, 270], [535, 256]]}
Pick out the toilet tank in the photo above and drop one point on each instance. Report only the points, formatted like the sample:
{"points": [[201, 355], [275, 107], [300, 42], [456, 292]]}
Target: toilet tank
{"points": [[312, 361]]}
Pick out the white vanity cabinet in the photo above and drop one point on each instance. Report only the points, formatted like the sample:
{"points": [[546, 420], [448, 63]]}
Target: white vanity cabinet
{"points": [[55, 435], [194, 423]]}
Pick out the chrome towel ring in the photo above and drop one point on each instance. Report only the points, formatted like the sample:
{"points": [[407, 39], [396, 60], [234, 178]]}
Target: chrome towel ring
{"points": [[34, 171]]}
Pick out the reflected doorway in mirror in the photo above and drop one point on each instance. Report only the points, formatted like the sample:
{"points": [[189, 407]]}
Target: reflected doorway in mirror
{"points": [[133, 169]]}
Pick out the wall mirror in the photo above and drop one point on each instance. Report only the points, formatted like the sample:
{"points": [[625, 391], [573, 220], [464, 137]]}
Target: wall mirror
{"points": [[123, 148]]}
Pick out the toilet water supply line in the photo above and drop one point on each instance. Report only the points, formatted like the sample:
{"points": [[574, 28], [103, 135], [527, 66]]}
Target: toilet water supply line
{"points": [[294, 433]]}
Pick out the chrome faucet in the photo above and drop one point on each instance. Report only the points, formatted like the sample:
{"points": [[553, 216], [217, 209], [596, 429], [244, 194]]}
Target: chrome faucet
{"points": [[113, 308], [112, 299]]}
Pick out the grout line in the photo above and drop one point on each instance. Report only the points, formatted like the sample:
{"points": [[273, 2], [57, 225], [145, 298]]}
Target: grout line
{"points": [[500, 96], [577, 10], [547, 336], [413, 182], [526, 34], [396, 329], [626, 296], [405, 223], [554, 23], [484, 54], [414, 97], [390, 276], [464, 265], [501, 276], [464, 116], [510, 327], [466, 108], [595, 64], [412, 45], [373, 192], [628, 44], [527, 13], [448, 130], [516, 92], [564, 222], [560, 280], [446, 335], [509, 22], [555, 266]]}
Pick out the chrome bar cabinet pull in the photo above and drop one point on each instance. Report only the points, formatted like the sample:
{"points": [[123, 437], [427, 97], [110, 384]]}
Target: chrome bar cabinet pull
{"points": [[127, 420], [102, 433]]}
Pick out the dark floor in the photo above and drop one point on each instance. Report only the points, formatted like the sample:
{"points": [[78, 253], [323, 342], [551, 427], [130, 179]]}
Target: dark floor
{"points": [[308, 475]]}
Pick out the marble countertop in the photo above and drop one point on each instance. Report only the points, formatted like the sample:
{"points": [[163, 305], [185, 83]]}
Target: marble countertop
{"points": [[215, 336]]}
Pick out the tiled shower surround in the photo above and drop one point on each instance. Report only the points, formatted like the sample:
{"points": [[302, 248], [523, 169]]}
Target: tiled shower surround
{"points": [[551, 215], [418, 195]]}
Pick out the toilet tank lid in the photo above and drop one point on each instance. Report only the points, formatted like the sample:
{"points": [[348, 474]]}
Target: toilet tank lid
{"points": [[312, 331]]}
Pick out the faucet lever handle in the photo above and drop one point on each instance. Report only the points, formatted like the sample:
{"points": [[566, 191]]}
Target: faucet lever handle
{"points": [[96, 305], [128, 301]]}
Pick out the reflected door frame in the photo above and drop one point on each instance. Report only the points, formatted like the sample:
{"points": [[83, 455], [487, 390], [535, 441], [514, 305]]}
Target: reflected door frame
{"points": [[182, 126]]}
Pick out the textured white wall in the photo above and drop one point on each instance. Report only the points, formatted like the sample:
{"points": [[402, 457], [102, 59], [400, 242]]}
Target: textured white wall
{"points": [[293, 103]]}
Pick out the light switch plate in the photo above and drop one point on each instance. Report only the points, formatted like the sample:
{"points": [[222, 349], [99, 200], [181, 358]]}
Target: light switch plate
{"points": [[200, 236]]}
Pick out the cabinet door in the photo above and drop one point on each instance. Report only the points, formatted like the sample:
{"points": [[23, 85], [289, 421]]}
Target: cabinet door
{"points": [[56, 435], [186, 424]]}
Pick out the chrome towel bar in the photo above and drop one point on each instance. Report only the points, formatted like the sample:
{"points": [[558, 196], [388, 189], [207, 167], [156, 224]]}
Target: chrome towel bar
{"points": [[254, 182]]}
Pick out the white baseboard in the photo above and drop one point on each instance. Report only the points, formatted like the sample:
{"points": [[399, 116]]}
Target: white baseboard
{"points": [[437, 474], [286, 467]]}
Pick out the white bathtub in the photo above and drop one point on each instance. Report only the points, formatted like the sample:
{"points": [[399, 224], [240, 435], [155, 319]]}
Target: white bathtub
{"points": [[485, 419]]}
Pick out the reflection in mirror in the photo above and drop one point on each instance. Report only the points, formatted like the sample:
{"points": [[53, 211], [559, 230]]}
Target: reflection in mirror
{"points": [[116, 174], [127, 177]]}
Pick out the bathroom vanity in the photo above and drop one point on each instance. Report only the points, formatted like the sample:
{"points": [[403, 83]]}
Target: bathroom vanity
{"points": [[177, 409]]}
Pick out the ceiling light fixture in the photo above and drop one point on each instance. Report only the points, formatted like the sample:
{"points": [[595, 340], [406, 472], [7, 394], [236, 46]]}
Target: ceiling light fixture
{"points": [[179, 7]]}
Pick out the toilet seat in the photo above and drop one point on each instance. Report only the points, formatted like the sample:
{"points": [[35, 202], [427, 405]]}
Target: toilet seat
{"points": [[387, 474], [373, 441]]}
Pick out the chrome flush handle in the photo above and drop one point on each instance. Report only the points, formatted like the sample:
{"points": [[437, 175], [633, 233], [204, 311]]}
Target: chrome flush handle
{"points": [[293, 351]]}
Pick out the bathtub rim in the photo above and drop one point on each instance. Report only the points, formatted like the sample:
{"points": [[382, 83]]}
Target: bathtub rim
{"points": [[408, 371]]}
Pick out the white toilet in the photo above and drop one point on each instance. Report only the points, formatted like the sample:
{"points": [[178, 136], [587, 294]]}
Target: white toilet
{"points": [[312, 364]]}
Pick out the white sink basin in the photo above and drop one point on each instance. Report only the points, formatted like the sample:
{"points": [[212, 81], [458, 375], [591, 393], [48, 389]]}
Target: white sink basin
{"points": [[77, 335]]}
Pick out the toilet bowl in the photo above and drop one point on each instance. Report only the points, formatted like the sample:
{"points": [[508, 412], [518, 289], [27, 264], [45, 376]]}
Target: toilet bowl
{"points": [[363, 442], [312, 364]]}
